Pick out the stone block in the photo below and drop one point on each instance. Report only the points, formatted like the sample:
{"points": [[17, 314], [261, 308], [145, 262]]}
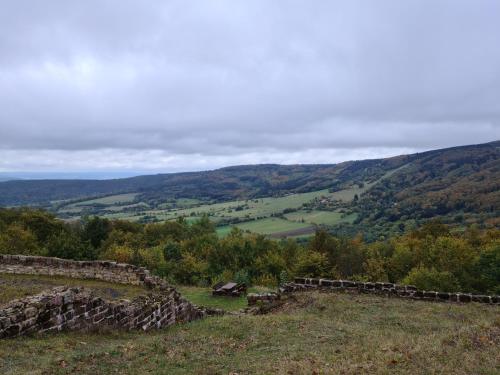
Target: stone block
{"points": [[443, 296], [481, 298], [430, 294], [464, 297], [30, 312]]}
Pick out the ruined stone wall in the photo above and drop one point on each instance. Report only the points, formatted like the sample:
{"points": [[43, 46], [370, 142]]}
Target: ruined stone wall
{"points": [[262, 298], [102, 270], [389, 289], [78, 308]]}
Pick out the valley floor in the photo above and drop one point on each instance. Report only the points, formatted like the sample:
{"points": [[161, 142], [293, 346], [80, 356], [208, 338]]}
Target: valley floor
{"points": [[316, 333]]}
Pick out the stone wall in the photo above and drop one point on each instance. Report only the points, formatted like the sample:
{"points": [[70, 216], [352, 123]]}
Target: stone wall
{"points": [[262, 298], [78, 308], [389, 289], [102, 270]]}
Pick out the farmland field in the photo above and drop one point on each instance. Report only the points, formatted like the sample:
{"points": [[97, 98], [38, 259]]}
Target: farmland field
{"points": [[320, 217], [254, 215], [245, 208], [299, 213], [267, 226], [110, 200]]}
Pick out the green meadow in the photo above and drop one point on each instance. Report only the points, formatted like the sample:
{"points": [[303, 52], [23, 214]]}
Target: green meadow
{"points": [[270, 215], [320, 217], [272, 225]]}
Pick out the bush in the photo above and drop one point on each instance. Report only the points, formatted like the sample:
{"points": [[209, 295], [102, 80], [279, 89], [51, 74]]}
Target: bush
{"points": [[374, 270], [242, 276], [267, 280], [17, 240], [430, 279], [283, 278], [488, 267], [121, 254], [152, 258], [312, 264], [66, 245], [191, 271], [172, 251]]}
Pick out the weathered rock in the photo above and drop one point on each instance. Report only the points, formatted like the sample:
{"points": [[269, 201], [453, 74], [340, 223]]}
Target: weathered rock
{"points": [[101, 270], [77, 308], [154, 311], [266, 298], [403, 291]]}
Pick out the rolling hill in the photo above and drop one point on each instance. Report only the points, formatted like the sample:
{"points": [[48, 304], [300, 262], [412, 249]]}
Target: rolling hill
{"points": [[459, 184]]}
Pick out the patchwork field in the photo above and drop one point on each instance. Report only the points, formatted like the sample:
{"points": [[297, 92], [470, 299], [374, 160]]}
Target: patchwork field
{"points": [[255, 215], [299, 213], [113, 199], [320, 217], [262, 207], [314, 334], [119, 199], [271, 225]]}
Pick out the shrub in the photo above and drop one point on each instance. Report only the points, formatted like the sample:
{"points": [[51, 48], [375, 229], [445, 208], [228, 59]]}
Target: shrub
{"points": [[312, 264], [431, 279], [488, 267], [17, 240], [172, 251], [267, 280], [242, 276], [121, 254], [152, 258], [67, 245], [283, 278]]}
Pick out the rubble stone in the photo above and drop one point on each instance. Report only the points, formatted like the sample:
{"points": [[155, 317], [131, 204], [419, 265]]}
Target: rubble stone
{"points": [[70, 308], [301, 284]]}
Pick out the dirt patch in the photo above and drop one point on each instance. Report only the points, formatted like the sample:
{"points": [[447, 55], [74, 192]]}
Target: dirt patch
{"points": [[292, 303]]}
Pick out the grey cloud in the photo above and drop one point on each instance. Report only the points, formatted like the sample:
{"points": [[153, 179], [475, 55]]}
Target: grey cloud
{"points": [[226, 81]]}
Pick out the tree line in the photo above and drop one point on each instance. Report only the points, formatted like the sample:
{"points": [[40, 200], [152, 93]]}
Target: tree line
{"points": [[431, 257]]}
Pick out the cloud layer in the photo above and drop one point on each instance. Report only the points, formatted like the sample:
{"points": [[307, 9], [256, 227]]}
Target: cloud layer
{"points": [[176, 85]]}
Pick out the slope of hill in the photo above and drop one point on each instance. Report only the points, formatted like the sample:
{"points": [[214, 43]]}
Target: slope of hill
{"points": [[221, 184], [318, 334], [461, 184], [4, 178]]}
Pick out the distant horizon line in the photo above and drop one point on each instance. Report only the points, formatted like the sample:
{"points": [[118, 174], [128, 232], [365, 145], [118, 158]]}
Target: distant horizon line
{"points": [[116, 174]]}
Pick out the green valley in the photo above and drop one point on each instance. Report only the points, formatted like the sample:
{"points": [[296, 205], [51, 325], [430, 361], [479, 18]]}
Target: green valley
{"points": [[379, 198]]}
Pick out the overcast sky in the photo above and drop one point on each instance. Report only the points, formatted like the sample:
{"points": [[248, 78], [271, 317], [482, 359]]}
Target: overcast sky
{"points": [[100, 85]]}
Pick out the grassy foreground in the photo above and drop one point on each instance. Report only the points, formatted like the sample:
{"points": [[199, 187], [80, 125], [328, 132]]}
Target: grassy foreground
{"points": [[316, 334]]}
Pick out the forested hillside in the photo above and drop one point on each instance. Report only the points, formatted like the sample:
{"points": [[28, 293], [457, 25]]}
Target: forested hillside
{"points": [[461, 185]]}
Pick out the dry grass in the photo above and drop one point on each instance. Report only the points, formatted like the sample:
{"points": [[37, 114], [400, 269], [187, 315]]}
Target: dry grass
{"points": [[316, 334]]}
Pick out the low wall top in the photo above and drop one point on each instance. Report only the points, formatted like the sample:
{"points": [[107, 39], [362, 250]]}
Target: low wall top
{"points": [[78, 308], [397, 290], [100, 269]]}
